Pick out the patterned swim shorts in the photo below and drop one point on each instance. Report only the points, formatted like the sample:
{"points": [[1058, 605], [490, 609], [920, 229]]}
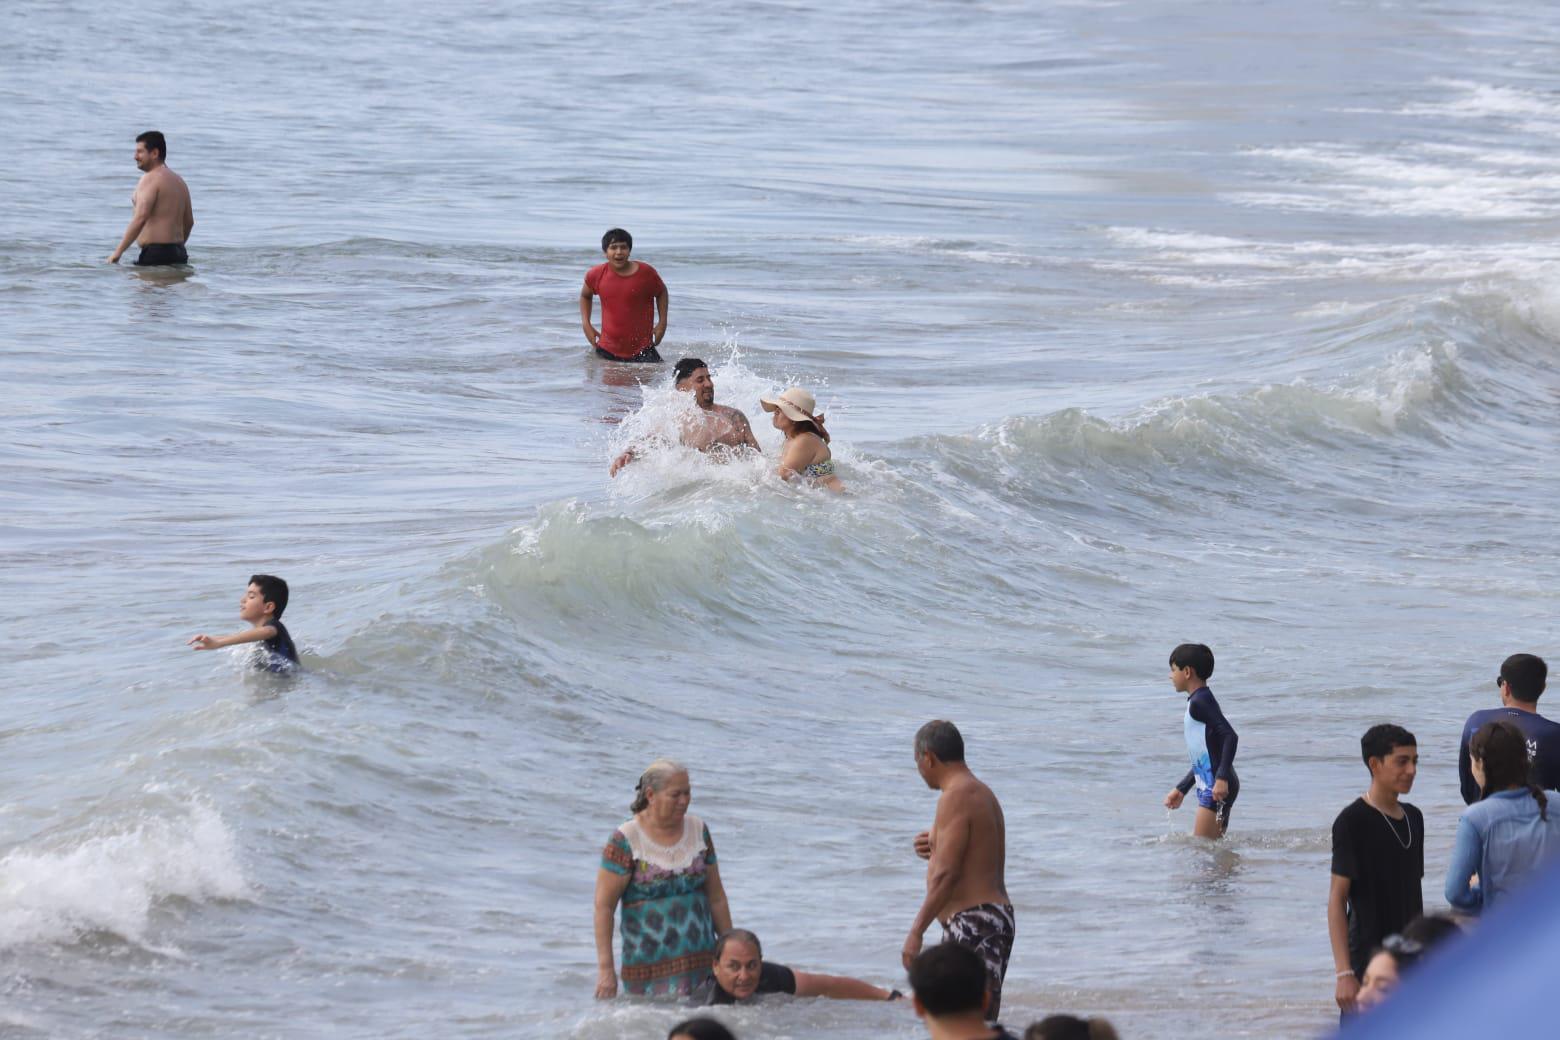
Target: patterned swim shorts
{"points": [[988, 930]]}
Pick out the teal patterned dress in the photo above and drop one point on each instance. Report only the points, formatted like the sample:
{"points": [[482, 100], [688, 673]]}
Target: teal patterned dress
{"points": [[668, 933]]}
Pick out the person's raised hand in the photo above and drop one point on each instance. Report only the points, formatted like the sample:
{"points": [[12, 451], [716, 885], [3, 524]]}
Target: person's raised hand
{"points": [[203, 642]]}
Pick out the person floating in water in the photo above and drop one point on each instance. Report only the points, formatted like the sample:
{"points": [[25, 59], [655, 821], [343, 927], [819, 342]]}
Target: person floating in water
{"points": [[966, 850], [711, 428], [631, 295], [741, 975], [163, 215], [1210, 743], [264, 600], [806, 454]]}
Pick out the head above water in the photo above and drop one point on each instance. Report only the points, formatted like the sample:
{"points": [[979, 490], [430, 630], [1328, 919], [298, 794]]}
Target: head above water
{"points": [[1522, 677], [658, 775], [693, 375], [616, 234], [1070, 1027], [700, 1029], [1392, 755], [948, 980], [273, 593], [1191, 665], [939, 748], [739, 959], [151, 148]]}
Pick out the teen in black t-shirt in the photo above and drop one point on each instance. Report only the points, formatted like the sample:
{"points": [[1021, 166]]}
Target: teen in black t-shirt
{"points": [[1378, 859]]}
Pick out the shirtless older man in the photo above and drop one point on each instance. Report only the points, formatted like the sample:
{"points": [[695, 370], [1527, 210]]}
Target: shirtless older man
{"points": [[163, 214], [966, 850], [710, 427]]}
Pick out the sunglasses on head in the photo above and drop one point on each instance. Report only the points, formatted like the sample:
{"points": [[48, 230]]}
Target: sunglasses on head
{"points": [[1401, 947]]}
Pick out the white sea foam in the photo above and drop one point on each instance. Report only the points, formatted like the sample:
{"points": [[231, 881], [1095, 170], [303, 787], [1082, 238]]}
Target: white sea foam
{"points": [[110, 881]]}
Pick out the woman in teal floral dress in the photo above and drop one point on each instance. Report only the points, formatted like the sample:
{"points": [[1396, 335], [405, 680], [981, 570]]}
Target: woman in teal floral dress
{"points": [[660, 867]]}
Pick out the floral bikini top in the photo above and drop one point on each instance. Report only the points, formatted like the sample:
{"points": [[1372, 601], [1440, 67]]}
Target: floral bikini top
{"points": [[819, 469]]}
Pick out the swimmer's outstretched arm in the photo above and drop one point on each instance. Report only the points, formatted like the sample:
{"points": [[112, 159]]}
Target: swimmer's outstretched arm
{"points": [[253, 635], [838, 987]]}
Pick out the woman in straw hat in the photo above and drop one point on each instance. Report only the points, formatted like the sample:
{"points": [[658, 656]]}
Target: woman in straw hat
{"points": [[806, 452]]}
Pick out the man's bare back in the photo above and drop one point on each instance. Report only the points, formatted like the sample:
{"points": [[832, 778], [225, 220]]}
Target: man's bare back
{"points": [[969, 827], [170, 216]]}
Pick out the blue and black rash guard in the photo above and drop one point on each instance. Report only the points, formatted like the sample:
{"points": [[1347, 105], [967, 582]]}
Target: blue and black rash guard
{"points": [[279, 654], [1210, 743]]}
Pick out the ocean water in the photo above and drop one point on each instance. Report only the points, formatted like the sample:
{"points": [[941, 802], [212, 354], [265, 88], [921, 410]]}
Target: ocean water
{"points": [[1135, 323]]}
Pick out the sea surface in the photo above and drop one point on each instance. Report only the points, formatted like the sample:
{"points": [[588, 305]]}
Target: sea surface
{"points": [[1135, 323]]}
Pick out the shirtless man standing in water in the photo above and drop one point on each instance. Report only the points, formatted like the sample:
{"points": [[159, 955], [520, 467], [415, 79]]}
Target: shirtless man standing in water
{"points": [[966, 850], [163, 214], [712, 427]]}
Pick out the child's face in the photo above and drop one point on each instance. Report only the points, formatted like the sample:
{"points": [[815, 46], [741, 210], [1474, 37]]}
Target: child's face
{"points": [[617, 253], [253, 608], [1181, 678]]}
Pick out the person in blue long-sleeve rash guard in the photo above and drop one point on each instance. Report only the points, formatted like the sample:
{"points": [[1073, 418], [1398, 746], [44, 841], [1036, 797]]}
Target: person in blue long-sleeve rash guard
{"points": [[1210, 744]]}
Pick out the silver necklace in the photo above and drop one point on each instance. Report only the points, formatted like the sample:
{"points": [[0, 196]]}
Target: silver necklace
{"points": [[1408, 823]]}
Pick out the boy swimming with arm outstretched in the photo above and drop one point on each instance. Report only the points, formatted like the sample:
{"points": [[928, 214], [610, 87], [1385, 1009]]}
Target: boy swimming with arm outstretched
{"points": [[262, 604]]}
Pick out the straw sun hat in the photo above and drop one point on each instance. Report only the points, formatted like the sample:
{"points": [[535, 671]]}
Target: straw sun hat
{"points": [[796, 403]]}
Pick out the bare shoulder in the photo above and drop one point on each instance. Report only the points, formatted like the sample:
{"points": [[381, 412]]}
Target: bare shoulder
{"points": [[734, 414]]}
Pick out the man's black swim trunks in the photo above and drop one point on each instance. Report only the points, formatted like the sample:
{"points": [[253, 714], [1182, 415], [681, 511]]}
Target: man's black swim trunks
{"points": [[162, 254], [648, 354]]}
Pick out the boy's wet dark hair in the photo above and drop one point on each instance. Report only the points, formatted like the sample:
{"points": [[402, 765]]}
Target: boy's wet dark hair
{"points": [[949, 980], [942, 738], [701, 1029], [155, 142], [1526, 675], [1195, 656], [272, 590], [1379, 741], [617, 234], [685, 368]]}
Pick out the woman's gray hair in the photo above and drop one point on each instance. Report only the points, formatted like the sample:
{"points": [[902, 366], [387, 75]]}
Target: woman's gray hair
{"points": [[654, 778]]}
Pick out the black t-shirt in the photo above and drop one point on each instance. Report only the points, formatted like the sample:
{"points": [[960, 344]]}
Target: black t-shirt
{"points": [[772, 978], [280, 654], [1384, 877]]}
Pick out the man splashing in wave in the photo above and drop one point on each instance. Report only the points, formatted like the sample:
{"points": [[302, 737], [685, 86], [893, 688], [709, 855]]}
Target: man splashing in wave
{"points": [[711, 427]]}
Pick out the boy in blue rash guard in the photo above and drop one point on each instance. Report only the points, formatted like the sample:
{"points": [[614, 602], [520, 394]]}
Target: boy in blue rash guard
{"points": [[262, 604], [1210, 743]]}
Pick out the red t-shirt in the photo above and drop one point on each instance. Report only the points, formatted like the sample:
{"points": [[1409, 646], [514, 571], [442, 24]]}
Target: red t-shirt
{"points": [[627, 307]]}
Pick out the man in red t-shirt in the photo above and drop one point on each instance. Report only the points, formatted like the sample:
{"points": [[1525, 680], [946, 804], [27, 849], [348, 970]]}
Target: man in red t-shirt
{"points": [[631, 296]]}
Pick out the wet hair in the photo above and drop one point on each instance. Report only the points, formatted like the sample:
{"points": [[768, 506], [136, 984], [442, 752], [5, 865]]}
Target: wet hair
{"points": [[701, 1029], [1379, 741], [738, 935], [154, 141], [808, 426], [1195, 656], [653, 779], [617, 234], [949, 980], [685, 368], [272, 590], [1430, 930], [1502, 751], [1525, 674], [1070, 1027], [942, 739]]}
